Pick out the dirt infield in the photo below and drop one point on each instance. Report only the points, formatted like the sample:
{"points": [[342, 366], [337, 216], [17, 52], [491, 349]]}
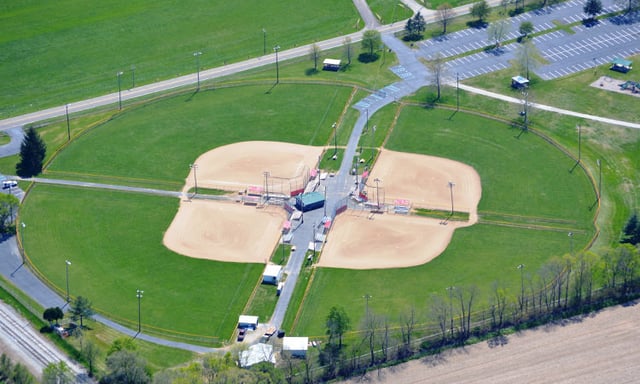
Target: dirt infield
{"points": [[239, 165], [425, 181], [237, 233], [225, 231], [231, 231], [359, 240], [604, 348]]}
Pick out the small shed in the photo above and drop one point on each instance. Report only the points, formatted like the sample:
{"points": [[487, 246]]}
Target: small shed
{"points": [[621, 65], [331, 65], [245, 321], [309, 201], [295, 346], [272, 274], [519, 82], [257, 353]]}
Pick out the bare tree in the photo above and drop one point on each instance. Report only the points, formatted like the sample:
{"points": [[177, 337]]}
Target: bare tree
{"points": [[439, 310], [444, 15], [314, 55], [407, 324], [497, 32], [630, 5], [527, 56], [498, 305], [437, 69], [465, 297]]}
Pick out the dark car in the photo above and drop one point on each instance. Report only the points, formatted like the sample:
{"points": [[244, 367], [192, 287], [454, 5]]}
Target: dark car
{"points": [[241, 334]]}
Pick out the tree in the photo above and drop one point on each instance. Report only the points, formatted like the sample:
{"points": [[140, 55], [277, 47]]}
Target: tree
{"points": [[122, 344], [526, 27], [90, 351], [337, 324], [32, 153], [630, 5], [348, 49], [14, 374], [480, 10], [80, 309], [497, 31], [444, 15], [631, 231], [53, 314], [57, 374], [125, 367], [8, 208], [528, 57], [437, 69], [592, 8], [415, 27], [314, 54], [371, 40]]}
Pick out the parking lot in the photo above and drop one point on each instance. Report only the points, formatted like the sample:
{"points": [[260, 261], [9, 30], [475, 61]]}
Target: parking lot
{"points": [[564, 53]]}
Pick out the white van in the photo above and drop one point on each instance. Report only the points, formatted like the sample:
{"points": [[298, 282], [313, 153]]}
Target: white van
{"points": [[8, 184]]}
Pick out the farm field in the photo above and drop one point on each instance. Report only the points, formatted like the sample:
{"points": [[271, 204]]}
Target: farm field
{"points": [[57, 53]]}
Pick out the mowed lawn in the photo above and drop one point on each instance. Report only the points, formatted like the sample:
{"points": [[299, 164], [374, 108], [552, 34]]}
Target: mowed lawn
{"points": [[158, 141], [53, 53], [114, 243], [529, 203], [114, 239]]}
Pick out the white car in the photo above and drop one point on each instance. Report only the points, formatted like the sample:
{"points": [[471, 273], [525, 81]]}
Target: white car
{"points": [[8, 184]]}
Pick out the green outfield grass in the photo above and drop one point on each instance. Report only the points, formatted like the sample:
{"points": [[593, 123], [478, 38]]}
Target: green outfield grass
{"points": [[58, 52], [114, 242], [526, 186], [155, 143]]}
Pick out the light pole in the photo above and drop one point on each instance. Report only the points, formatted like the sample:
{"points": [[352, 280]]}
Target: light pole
{"points": [[367, 297], [133, 76], [195, 176], [139, 296], [450, 290], [457, 92], [521, 268], [276, 49], [570, 243], [266, 185], [119, 74], [451, 184], [22, 239], [264, 41], [197, 56], [66, 111], [599, 179], [67, 263], [377, 192], [335, 140]]}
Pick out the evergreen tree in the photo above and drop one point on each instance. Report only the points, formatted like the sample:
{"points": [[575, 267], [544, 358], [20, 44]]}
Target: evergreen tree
{"points": [[631, 231], [80, 309], [32, 153], [592, 8], [415, 27]]}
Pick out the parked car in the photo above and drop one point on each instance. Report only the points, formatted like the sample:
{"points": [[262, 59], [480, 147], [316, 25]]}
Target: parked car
{"points": [[242, 333], [7, 184]]}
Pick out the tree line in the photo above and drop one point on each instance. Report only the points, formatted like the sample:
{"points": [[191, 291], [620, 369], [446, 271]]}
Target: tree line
{"points": [[564, 286]]}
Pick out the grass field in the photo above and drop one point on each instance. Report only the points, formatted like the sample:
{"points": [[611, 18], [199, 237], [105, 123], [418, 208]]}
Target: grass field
{"points": [[64, 51], [114, 242], [526, 186], [158, 141]]}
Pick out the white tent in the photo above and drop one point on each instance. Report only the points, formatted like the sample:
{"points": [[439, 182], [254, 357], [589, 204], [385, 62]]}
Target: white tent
{"points": [[257, 353], [295, 346]]}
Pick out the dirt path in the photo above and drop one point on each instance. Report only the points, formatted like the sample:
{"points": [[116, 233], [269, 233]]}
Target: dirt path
{"points": [[603, 348]]}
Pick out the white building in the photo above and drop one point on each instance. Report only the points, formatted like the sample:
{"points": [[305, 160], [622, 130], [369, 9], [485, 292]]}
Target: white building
{"points": [[272, 274], [295, 346]]}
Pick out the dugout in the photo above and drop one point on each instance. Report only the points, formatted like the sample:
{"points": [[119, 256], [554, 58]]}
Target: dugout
{"points": [[331, 65], [309, 201]]}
